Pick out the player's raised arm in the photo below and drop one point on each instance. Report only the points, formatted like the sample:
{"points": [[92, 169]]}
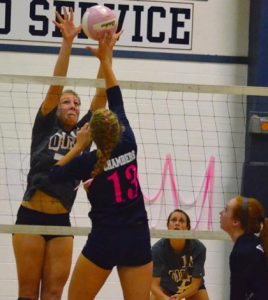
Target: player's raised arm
{"points": [[104, 54], [69, 32], [99, 100]]}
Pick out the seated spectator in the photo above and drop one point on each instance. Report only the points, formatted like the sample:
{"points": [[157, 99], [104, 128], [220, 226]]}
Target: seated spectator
{"points": [[178, 264]]}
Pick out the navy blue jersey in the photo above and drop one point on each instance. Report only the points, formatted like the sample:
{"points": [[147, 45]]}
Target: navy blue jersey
{"points": [[115, 195], [49, 143], [176, 270], [249, 277]]}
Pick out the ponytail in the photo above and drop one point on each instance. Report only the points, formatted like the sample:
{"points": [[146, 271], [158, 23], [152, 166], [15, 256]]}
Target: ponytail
{"points": [[106, 133], [102, 158]]}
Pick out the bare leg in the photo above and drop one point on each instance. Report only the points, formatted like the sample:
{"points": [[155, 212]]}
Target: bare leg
{"points": [[136, 281], [87, 280], [29, 252], [57, 265]]}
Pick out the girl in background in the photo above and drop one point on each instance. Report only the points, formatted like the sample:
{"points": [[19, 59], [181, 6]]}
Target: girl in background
{"points": [[242, 218], [178, 264]]}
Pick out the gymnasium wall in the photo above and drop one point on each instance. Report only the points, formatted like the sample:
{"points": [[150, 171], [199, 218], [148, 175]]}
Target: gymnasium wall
{"points": [[217, 54]]}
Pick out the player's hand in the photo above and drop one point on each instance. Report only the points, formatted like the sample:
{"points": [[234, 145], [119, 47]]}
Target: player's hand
{"points": [[106, 44], [83, 139], [115, 37], [176, 297], [66, 25]]}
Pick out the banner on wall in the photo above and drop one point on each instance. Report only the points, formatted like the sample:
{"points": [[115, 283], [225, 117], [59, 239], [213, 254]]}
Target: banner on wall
{"points": [[147, 25]]}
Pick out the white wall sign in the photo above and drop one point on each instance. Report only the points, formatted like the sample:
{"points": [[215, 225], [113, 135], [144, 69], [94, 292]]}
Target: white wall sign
{"points": [[147, 24]]}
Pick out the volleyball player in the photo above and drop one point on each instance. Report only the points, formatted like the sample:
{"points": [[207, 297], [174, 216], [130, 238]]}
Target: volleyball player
{"points": [[43, 262], [120, 235], [178, 264], [242, 218]]}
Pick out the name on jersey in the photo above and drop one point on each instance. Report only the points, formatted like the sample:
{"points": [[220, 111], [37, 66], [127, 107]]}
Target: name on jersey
{"points": [[120, 160]]}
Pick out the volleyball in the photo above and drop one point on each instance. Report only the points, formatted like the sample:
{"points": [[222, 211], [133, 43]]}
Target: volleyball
{"points": [[97, 20]]}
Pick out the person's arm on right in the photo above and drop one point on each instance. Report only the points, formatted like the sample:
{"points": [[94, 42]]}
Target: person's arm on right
{"points": [[99, 100], [69, 32], [82, 142], [104, 54]]}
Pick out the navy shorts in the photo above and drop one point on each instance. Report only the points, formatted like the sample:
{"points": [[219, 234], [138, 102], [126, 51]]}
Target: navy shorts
{"points": [[115, 246], [26, 216]]}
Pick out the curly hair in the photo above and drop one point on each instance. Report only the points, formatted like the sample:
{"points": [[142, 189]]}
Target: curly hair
{"points": [[106, 133]]}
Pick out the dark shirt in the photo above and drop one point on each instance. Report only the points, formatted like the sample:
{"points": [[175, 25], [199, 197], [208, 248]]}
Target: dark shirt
{"points": [[176, 270], [249, 279], [50, 142], [115, 195]]}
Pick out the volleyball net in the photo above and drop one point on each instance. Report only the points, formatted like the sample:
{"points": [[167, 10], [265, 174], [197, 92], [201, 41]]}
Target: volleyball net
{"points": [[190, 149]]}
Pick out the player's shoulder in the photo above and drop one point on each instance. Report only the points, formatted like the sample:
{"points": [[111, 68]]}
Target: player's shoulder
{"points": [[249, 241], [198, 245], [43, 124], [250, 252], [160, 245]]}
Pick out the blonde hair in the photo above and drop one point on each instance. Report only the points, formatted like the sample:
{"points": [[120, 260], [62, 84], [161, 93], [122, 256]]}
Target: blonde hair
{"points": [[106, 133], [72, 92]]}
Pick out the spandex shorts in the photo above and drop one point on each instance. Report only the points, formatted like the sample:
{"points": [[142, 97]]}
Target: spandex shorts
{"points": [[26, 216], [128, 246]]}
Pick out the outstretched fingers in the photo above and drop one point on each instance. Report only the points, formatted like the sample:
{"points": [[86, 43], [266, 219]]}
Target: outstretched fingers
{"points": [[60, 20], [106, 43], [71, 14], [59, 17], [66, 25], [115, 37], [65, 17]]}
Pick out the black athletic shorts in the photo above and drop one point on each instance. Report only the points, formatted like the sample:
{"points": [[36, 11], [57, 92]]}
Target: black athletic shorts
{"points": [[115, 246], [26, 216]]}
